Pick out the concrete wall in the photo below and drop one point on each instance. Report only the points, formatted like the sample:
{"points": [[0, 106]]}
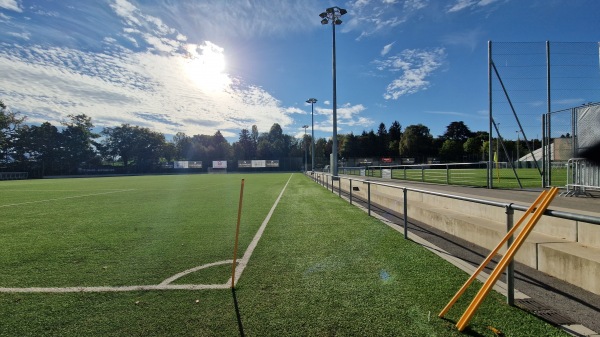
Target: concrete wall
{"points": [[566, 249]]}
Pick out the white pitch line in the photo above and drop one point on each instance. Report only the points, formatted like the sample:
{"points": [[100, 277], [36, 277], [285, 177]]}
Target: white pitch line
{"points": [[165, 285], [114, 289], [244, 260], [65, 198], [195, 269]]}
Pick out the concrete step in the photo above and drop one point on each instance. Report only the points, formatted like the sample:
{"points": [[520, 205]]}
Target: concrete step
{"points": [[573, 262]]}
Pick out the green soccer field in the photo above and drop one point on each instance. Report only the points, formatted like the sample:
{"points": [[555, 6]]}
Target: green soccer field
{"points": [[502, 178], [321, 268], [126, 231]]}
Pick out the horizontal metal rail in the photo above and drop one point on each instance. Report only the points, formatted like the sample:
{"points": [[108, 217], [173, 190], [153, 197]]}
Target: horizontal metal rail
{"points": [[325, 179]]}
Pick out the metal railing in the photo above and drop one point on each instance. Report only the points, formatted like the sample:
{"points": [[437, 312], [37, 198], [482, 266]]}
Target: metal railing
{"points": [[468, 174], [581, 177], [327, 181]]}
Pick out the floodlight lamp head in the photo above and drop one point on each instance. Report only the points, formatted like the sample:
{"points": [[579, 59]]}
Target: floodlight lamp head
{"points": [[343, 11], [324, 21], [330, 10], [338, 22], [323, 15], [311, 100]]}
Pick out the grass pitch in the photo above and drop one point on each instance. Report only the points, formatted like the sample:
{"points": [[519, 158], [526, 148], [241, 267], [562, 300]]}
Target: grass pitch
{"points": [[322, 267]]}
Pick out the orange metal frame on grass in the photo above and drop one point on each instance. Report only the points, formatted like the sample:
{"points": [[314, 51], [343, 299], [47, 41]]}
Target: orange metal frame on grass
{"points": [[543, 201]]}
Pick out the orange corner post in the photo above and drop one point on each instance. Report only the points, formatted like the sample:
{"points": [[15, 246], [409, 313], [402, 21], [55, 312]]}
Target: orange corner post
{"points": [[237, 234]]}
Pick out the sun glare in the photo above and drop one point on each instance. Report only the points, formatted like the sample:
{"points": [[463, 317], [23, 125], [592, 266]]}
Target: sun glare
{"points": [[206, 67]]}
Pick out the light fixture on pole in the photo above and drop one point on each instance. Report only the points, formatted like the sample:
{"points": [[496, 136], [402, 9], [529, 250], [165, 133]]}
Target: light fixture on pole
{"points": [[333, 14], [305, 152], [312, 102]]}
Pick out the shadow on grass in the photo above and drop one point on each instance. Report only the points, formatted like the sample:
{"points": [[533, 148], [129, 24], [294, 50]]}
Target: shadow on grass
{"points": [[467, 331], [237, 312]]}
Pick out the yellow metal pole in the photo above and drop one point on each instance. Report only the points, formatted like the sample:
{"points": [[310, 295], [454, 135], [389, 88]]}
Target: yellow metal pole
{"points": [[497, 165], [487, 287], [237, 234], [491, 255]]}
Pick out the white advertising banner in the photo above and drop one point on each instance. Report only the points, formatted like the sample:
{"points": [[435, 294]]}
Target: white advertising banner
{"points": [[180, 164], [220, 164], [258, 163]]}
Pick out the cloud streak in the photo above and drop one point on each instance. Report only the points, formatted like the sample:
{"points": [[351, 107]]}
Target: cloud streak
{"points": [[460, 5], [11, 5], [415, 66]]}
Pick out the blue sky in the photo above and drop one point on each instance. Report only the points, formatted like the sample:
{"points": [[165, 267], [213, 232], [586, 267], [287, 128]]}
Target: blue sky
{"points": [[198, 66]]}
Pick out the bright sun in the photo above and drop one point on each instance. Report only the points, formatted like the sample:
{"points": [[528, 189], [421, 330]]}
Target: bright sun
{"points": [[206, 67]]}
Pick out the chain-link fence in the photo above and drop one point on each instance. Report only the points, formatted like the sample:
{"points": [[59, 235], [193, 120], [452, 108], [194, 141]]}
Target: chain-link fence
{"points": [[540, 106]]}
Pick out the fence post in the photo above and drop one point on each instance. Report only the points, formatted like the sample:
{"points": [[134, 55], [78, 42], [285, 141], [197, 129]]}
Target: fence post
{"points": [[350, 191], [369, 197], [422, 173], [510, 270], [404, 191], [447, 174], [339, 186]]}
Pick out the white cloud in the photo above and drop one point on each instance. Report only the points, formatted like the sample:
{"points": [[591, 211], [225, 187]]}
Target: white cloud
{"points": [[24, 36], [145, 89], [386, 49], [294, 110], [162, 85], [460, 5], [347, 115], [415, 4], [11, 5], [415, 67], [370, 17], [246, 19]]}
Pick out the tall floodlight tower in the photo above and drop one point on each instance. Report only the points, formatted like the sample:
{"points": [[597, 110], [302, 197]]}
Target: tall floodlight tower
{"points": [[333, 15], [312, 102]]}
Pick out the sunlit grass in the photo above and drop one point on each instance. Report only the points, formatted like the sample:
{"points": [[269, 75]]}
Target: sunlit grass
{"points": [[322, 267]]}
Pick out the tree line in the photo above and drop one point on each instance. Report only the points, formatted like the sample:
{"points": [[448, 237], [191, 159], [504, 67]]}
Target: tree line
{"points": [[66, 149]]}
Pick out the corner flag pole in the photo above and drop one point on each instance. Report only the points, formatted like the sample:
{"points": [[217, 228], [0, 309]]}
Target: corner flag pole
{"points": [[237, 234]]}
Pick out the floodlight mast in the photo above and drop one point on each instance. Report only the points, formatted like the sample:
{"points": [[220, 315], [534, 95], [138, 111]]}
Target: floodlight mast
{"points": [[312, 102], [305, 150], [333, 14]]}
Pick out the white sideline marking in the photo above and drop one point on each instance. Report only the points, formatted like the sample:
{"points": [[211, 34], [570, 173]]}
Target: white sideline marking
{"points": [[65, 198], [166, 284], [244, 260]]}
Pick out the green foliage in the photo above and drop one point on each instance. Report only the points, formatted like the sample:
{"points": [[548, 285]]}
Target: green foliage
{"points": [[10, 125], [416, 142], [458, 131], [127, 143]]}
